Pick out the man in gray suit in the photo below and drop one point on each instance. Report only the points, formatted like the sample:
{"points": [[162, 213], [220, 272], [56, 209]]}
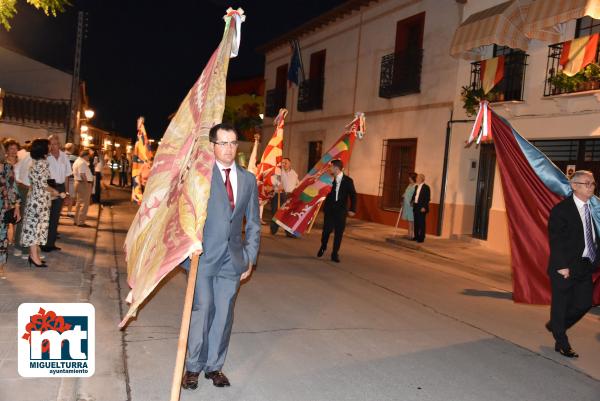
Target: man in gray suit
{"points": [[227, 259]]}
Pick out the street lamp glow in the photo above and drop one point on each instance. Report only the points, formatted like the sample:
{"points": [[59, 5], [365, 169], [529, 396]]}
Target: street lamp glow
{"points": [[262, 116], [84, 128], [117, 145], [89, 113]]}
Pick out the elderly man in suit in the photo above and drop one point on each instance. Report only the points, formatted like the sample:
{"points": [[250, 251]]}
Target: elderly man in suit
{"points": [[420, 202], [573, 259], [227, 259], [336, 209]]}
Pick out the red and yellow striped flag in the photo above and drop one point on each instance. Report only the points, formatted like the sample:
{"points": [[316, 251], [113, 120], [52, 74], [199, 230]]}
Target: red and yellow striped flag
{"points": [[270, 160], [578, 54], [492, 72]]}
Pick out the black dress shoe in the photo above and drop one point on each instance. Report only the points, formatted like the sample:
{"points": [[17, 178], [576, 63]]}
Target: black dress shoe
{"points": [[218, 378], [49, 248], [321, 252], [548, 326], [190, 380], [335, 258], [566, 351]]}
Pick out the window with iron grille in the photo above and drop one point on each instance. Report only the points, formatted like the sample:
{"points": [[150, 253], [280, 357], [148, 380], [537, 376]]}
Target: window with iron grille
{"points": [[558, 83], [512, 84], [310, 91]]}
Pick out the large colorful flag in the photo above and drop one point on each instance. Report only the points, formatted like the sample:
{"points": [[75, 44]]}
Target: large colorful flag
{"points": [[492, 72], [252, 160], [296, 69], [270, 160], [297, 213], [139, 161], [169, 223], [532, 185], [578, 54]]}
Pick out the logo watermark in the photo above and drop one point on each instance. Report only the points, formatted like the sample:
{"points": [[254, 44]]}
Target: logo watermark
{"points": [[56, 339]]}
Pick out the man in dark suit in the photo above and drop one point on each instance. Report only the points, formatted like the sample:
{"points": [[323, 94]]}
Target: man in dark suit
{"points": [[573, 259], [336, 209], [420, 202], [227, 259]]}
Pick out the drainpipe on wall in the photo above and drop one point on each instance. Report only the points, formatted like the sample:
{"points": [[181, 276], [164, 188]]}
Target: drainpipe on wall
{"points": [[445, 170]]}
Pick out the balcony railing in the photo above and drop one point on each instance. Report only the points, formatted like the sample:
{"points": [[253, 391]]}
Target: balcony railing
{"points": [[275, 101], [34, 110], [310, 94], [558, 83], [512, 84], [401, 73]]}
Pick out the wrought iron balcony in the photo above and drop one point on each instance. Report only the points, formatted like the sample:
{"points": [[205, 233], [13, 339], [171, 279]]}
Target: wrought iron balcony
{"points": [[23, 109], [275, 101], [558, 83], [512, 84], [310, 94], [401, 73]]}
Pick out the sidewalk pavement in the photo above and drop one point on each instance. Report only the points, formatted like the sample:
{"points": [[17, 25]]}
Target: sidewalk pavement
{"points": [[83, 271]]}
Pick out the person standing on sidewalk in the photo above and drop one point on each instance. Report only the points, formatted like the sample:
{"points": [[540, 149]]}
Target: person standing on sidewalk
{"points": [[84, 180], [289, 181], [98, 163], [420, 204], [114, 167], [37, 213], [123, 171], [22, 169], [60, 170], [227, 259], [573, 258], [407, 209], [10, 211], [336, 209]]}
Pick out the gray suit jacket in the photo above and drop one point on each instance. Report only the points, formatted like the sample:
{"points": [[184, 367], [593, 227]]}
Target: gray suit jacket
{"points": [[223, 227]]}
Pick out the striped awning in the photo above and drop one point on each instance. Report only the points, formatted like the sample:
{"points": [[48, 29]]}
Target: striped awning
{"points": [[545, 16], [501, 25]]}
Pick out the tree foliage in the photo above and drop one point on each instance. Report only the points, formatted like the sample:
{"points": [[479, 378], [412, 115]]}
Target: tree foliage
{"points": [[49, 7]]}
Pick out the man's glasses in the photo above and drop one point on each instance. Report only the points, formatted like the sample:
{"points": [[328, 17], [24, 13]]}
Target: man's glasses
{"points": [[587, 184], [223, 143]]}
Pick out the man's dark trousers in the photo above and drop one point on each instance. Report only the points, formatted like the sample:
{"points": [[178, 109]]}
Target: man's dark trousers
{"points": [[571, 299], [419, 224], [55, 209], [274, 206], [335, 220]]}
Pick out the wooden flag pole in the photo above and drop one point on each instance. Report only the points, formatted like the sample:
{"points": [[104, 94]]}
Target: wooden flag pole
{"points": [[314, 218], [185, 328]]}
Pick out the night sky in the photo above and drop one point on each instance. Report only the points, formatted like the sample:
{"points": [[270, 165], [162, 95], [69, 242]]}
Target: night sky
{"points": [[141, 57]]}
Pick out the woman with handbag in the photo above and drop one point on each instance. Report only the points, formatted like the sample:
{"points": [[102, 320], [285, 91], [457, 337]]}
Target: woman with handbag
{"points": [[10, 212]]}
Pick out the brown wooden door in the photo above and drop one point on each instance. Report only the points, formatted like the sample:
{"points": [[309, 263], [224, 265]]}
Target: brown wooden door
{"points": [[315, 149], [281, 77], [317, 65], [409, 33], [400, 156]]}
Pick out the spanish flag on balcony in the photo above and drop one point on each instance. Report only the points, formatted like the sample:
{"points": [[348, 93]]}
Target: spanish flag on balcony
{"points": [[492, 72], [578, 53]]}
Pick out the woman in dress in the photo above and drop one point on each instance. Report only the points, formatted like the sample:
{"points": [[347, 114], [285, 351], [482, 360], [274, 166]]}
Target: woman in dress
{"points": [[407, 210], [37, 211], [11, 147], [9, 203]]}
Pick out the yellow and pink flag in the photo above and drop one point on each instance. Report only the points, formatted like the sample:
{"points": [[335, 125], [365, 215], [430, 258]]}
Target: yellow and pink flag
{"points": [[578, 54], [492, 72], [300, 209], [140, 161], [270, 160], [168, 226]]}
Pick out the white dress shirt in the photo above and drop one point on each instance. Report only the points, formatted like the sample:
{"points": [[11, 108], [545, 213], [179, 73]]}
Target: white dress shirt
{"points": [[82, 167], [338, 181], [60, 168], [22, 168], [418, 191], [289, 180], [232, 177], [579, 203]]}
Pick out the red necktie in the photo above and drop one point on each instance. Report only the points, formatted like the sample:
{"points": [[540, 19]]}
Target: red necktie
{"points": [[229, 188]]}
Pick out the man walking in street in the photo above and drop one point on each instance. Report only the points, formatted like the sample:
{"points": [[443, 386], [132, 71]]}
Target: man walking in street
{"points": [[420, 202], [60, 169], [283, 185], [84, 179], [573, 259], [336, 209], [226, 260], [123, 171]]}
